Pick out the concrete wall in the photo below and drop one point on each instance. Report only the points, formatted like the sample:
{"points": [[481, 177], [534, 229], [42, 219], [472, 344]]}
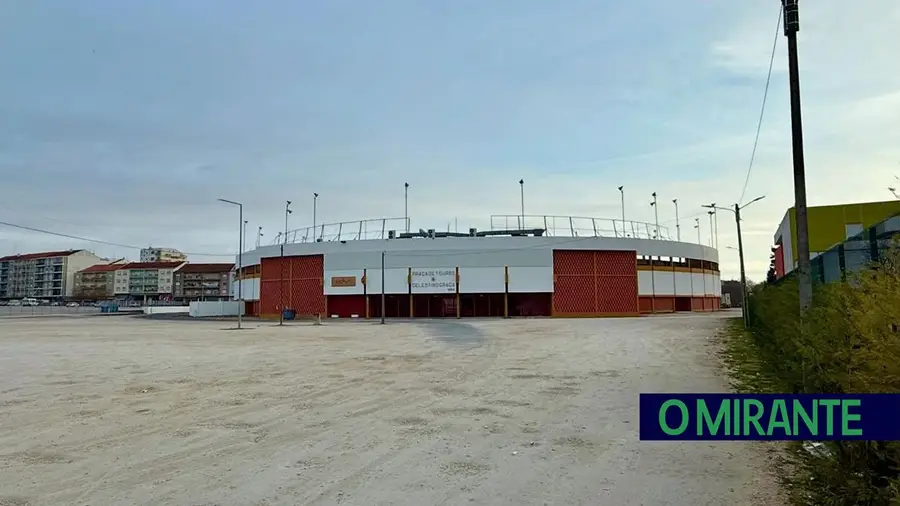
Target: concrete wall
{"points": [[684, 284], [216, 308], [355, 267], [471, 251]]}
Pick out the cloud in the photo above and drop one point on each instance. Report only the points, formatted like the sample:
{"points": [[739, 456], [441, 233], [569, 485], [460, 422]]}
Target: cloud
{"points": [[126, 132]]}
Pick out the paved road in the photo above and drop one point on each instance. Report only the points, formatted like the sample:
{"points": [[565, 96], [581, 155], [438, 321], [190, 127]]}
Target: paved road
{"points": [[109, 411]]}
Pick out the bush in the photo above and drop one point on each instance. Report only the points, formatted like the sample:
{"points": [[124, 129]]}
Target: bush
{"points": [[849, 343]]}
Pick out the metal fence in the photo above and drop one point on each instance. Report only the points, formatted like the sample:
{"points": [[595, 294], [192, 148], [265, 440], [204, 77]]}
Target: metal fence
{"points": [[579, 226], [345, 231], [853, 254]]}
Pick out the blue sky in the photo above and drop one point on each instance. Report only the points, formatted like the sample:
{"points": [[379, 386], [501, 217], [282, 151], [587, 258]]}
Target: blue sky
{"points": [[124, 121]]}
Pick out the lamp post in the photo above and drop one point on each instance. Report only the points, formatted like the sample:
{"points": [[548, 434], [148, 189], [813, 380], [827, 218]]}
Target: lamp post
{"points": [[259, 235], [315, 202], [622, 192], [710, 213], [677, 221], [715, 225], [656, 213], [382, 288], [287, 211], [239, 256], [522, 201], [244, 245], [406, 204], [737, 219], [697, 226]]}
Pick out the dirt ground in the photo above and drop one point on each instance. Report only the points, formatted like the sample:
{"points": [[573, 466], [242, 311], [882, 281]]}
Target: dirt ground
{"points": [[124, 410]]}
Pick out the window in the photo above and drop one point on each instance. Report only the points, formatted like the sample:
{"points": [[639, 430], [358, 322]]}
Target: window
{"points": [[852, 229]]}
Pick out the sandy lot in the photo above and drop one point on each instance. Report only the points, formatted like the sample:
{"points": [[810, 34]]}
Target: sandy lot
{"points": [[124, 410]]}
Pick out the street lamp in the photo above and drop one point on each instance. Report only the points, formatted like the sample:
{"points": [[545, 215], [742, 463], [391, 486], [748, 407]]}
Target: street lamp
{"points": [[406, 204], [244, 245], [710, 213], [239, 256], [622, 191], [656, 213], [737, 219], [715, 229], [697, 227], [677, 221], [522, 200], [287, 211], [259, 235], [315, 202]]}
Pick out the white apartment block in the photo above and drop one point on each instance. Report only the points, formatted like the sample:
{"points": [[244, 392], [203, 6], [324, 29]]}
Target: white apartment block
{"points": [[162, 255], [147, 280], [48, 275]]}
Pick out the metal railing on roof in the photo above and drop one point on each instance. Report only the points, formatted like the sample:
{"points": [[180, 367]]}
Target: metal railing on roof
{"points": [[344, 231], [580, 226]]}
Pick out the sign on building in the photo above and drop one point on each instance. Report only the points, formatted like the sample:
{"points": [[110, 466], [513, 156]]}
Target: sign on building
{"points": [[343, 281], [433, 281]]}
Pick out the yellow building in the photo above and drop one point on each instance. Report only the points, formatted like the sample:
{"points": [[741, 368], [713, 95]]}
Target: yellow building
{"points": [[828, 226]]}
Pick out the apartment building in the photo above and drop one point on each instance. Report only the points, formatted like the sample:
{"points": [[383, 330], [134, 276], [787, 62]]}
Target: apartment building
{"points": [[162, 255], [146, 280], [47, 275], [97, 282], [203, 281]]}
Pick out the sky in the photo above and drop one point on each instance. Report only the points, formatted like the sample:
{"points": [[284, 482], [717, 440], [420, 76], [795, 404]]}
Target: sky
{"points": [[125, 121]]}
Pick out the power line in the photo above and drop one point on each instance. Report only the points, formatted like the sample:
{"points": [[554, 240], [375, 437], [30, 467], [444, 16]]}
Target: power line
{"points": [[762, 109], [98, 241]]}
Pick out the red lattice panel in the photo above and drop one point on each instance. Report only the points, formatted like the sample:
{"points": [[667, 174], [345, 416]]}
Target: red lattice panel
{"points": [[573, 294], [302, 285], [307, 297], [616, 263], [573, 263], [271, 269], [270, 297], [306, 267], [617, 294]]}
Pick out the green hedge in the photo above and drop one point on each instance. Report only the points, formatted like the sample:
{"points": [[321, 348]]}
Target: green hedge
{"points": [[849, 343]]}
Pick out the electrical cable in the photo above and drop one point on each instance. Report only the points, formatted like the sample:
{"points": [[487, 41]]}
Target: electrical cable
{"points": [[98, 241], [763, 108]]}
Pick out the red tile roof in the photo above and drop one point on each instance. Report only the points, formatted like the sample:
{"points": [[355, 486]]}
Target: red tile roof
{"points": [[35, 256], [153, 265], [206, 268], [104, 267]]}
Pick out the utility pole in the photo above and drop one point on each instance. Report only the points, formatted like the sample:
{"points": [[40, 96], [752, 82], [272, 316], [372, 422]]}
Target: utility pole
{"points": [[791, 27], [656, 213], [622, 191], [745, 313], [382, 288], [677, 222]]}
